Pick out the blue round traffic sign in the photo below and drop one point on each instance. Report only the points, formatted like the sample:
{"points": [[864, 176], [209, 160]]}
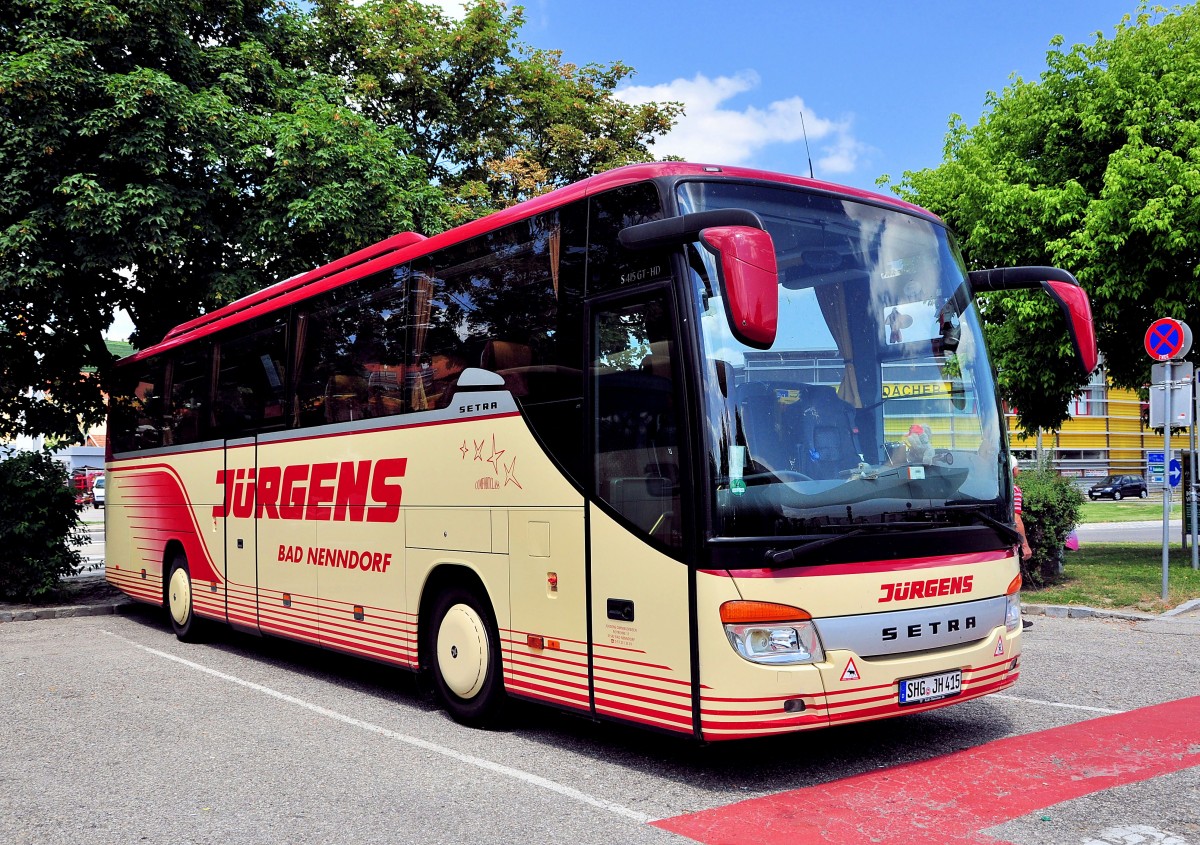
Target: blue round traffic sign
{"points": [[1174, 472], [1165, 339]]}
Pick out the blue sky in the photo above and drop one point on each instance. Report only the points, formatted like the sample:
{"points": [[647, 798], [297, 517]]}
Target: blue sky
{"points": [[876, 81]]}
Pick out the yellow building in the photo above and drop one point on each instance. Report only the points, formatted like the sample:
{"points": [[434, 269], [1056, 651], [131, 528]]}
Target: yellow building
{"points": [[1103, 436]]}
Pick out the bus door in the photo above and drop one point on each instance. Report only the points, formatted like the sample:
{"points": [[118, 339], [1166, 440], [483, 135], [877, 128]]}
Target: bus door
{"points": [[238, 530], [286, 539], [639, 585]]}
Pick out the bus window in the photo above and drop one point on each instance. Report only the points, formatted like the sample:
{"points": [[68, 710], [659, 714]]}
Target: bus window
{"points": [[351, 352], [135, 406], [637, 438], [510, 302], [250, 382], [611, 266], [187, 416]]}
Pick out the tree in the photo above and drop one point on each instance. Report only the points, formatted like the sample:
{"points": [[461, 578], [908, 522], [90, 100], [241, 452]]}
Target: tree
{"points": [[166, 158], [494, 121], [1094, 168]]}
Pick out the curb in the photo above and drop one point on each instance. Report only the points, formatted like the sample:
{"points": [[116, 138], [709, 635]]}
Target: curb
{"points": [[1060, 611], [1184, 608], [105, 609]]}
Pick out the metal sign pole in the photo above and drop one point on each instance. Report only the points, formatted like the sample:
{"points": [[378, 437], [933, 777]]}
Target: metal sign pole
{"points": [[1192, 479], [1168, 418]]}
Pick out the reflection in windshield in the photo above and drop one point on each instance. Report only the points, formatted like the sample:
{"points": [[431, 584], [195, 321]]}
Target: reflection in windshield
{"points": [[875, 404]]}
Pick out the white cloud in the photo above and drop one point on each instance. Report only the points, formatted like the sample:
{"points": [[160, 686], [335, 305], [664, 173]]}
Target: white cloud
{"points": [[711, 133], [452, 9]]}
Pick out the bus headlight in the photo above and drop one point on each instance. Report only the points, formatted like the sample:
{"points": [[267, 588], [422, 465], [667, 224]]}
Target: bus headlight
{"points": [[1012, 610], [765, 632]]}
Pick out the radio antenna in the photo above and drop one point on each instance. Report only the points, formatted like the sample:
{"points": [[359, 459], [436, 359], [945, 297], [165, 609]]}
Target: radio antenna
{"points": [[806, 149]]}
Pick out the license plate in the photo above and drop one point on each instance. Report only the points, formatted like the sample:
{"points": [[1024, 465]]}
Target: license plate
{"points": [[931, 687]]}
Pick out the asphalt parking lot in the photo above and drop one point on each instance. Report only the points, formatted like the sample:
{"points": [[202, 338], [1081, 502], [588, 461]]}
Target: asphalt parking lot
{"points": [[119, 733]]}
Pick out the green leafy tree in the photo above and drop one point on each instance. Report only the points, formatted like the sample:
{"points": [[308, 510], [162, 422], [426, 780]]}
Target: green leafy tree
{"points": [[494, 121], [1093, 168], [165, 158]]}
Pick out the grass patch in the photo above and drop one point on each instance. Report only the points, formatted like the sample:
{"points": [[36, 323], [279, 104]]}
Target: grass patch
{"points": [[1121, 576], [1126, 510]]}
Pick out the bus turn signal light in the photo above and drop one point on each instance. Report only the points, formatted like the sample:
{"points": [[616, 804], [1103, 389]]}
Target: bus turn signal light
{"points": [[757, 612], [1012, 610]]}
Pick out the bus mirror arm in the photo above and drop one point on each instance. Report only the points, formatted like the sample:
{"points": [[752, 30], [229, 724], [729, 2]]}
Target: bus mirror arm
{"points": [[674, 231], [748, 274], [1063, 288]]}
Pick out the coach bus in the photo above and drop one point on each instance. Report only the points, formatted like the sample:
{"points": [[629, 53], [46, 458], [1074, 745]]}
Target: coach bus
{"points": [[704, 449]]}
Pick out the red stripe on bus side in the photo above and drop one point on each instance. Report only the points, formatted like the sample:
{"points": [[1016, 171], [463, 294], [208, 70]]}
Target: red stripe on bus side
{"points": [[521, 690], [643, 715]]}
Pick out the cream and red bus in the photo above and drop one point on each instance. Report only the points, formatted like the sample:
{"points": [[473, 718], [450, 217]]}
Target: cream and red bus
{"points": [[702, 449]]}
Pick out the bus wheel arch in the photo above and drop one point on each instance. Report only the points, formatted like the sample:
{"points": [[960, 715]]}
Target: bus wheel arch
{"points": [[460, 646], [177, 593]]}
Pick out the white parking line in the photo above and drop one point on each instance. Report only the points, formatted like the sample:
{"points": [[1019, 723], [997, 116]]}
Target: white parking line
{"points": [[426, 745], [1055, 703]]}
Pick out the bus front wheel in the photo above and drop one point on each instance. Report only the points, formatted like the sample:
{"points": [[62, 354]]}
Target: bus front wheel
{"points": [[464, 655], [179, 599]]}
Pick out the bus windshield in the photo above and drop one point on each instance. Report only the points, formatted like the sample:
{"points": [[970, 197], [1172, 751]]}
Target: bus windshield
{"points": [[876, 403]]}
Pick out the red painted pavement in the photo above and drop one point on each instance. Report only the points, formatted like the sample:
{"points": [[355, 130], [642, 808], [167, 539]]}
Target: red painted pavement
{"points": [[952, 798]]}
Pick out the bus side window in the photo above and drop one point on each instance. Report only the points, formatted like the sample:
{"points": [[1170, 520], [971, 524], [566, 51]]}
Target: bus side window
{"points": [[187, 416], [349, 352], [611, 266], [135, 406], [637, 438], [250, 382]]}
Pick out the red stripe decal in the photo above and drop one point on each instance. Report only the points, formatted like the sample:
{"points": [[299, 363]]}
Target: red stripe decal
{"points": [[963, 793]]}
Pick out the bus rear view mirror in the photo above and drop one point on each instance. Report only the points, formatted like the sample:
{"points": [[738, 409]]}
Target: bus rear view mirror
{"points": [[749, 279], [1063, 288]]}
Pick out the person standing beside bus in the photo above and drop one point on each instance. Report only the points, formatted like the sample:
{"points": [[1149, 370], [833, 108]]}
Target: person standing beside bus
{"points": [[1018, 506]]}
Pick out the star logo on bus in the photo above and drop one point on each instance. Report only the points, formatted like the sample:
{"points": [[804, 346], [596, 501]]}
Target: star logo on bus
{"points": [[510, 474], [463, 448], [478, 448], [494, 460]]}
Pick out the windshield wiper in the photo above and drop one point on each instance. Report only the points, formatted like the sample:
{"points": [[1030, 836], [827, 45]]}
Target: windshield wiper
{"points": [[782, 556], [1007, 531]]}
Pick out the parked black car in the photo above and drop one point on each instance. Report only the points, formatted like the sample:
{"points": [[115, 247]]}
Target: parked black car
{"points": [[1119, 487]]}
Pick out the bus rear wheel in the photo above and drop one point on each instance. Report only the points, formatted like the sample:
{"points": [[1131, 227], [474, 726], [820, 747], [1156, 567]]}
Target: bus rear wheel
{"points": [[179, 600], [463, 646]]}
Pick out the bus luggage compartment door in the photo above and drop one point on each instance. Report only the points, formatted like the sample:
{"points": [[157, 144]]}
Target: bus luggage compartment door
{"points": [[548, 647]]}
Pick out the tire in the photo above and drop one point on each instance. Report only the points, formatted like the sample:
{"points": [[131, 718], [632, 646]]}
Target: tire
{"points": [[1116, 495], [179, 600], [463, 648]]}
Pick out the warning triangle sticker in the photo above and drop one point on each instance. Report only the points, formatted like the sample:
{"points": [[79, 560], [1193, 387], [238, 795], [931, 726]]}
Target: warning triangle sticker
{"points": [[999, 646], [851, 671]]}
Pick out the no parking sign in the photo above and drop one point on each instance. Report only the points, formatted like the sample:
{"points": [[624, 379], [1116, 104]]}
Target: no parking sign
{"points": [[1168, 339]]}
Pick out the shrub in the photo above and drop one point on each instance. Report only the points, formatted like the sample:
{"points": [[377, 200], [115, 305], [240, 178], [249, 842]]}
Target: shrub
{"points": [[38, 522], [1051, 509]]}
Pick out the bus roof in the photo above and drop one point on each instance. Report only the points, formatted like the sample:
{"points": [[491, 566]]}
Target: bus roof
{"points": [[407, 246]]}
